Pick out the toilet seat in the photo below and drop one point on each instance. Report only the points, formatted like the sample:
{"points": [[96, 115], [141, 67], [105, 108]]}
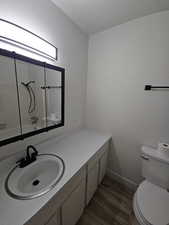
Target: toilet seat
{"points": [[151, 204], [138, 214]]}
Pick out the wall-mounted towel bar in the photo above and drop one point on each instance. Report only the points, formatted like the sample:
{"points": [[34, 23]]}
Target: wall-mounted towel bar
{"points": [[50, 87], [150, 87]]}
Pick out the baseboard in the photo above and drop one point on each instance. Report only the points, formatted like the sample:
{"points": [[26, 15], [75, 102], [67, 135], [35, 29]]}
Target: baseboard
{"points": [[129, 183]]}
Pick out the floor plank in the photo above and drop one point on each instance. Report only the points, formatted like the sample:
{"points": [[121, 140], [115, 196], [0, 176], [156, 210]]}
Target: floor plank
{"points": [[111, 205]]}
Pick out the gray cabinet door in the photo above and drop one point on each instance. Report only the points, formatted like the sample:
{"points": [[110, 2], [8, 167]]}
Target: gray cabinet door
{"points": [[92, 181], [73, 207], [102, 166], [55, 219]]}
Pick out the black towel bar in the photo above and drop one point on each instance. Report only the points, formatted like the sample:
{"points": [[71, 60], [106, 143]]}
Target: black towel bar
{"points": [[150, 87]]}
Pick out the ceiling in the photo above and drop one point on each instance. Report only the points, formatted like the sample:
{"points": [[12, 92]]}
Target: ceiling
{"points": [[96, 15]]}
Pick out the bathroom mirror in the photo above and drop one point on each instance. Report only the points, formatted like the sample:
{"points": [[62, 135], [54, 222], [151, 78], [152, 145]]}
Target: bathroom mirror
{"points": [[53, 96], [9, 116], [31, 97]]}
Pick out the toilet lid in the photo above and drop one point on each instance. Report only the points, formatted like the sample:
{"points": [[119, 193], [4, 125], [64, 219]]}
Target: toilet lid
{"points": [[153, 203]]}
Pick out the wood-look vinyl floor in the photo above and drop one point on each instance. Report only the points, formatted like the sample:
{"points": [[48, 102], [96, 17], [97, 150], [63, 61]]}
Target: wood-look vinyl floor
{"points": [[111, 205]]}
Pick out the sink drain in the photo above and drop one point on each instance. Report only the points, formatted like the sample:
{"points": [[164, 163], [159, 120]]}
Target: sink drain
{"points": [[35, 182]]}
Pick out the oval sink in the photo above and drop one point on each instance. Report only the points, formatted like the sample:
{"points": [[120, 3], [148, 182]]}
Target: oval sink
{"points": [[35, 179]]}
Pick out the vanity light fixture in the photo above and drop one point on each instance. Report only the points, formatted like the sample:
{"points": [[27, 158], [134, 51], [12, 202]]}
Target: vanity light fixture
{"points": [[17, 39]]}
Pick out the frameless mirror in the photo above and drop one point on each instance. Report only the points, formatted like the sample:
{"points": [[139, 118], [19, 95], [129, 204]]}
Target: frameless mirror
{"points": [[31, 96], [9, 115]]}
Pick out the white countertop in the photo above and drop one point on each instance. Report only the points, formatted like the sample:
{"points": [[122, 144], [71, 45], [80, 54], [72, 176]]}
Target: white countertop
{"points": [[75, 149]]}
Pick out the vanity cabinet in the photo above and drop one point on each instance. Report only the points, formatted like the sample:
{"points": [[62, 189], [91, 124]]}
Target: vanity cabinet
{"points": [[66, 207], [59, 210]]}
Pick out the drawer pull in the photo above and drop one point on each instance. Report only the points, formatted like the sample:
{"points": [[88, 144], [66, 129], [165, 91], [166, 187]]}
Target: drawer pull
{"points": [[145, 157]]}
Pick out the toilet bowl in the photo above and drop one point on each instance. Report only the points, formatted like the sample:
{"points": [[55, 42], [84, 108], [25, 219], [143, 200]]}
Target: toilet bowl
{"points": [[151, 205], [151, 200]]}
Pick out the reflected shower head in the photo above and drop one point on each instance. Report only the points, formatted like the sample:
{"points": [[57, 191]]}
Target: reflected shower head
{"points": [[28, 83], [32, 102]]}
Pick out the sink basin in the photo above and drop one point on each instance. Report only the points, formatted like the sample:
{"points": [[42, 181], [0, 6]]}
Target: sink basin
{"points": [[35, 179]]}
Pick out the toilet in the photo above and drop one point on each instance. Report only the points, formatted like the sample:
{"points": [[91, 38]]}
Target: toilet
{"points": [[151, 200]]}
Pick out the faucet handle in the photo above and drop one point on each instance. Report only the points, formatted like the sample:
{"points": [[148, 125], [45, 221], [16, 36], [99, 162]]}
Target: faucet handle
{"points": [[33, 148], [20, 160], [33, 156]]}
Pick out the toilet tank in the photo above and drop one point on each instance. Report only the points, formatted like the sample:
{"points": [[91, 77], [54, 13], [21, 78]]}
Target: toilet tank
{"points": [[155, 166]]}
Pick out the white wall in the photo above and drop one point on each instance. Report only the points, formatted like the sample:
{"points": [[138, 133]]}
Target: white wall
{"points": [[121, 61], [46, 20]]}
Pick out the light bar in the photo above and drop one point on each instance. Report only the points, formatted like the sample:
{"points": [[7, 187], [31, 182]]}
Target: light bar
{"points": [[17, 39]]}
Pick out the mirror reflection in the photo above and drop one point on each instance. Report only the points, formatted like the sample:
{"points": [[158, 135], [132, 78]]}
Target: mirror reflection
{"points": [[9, 116], [31, 96], [53, 96]]}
